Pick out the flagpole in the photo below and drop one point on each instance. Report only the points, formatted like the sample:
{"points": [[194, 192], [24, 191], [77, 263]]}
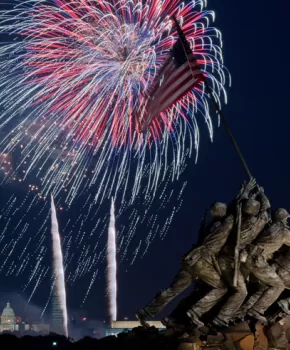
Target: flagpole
{"points": [[216, 105]]}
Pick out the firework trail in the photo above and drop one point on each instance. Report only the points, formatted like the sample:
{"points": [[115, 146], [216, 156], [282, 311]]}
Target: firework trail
{"points": [[75, 78], [112, 265], [84, 238], [58, 266]]}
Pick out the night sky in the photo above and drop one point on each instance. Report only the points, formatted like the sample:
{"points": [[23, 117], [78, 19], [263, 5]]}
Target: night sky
{"points": [[257, 54]]}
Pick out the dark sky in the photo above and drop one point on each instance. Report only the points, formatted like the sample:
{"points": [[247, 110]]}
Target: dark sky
{"points": [[257, 53]]}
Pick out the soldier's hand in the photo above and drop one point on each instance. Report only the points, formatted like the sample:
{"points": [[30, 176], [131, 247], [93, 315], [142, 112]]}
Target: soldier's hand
{"points": [[252, 184], [248, 188]]}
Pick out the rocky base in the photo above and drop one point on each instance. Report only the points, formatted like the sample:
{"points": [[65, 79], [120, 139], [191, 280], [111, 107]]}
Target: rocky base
{"points": [[242, 336]]}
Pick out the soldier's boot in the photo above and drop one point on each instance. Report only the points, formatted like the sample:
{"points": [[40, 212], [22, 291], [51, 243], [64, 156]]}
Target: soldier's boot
{"points": [[240, 315], [242, 312], [255, 314], [142, 316], [194, 318], [284, 305], [220, 322], [170, 322]]}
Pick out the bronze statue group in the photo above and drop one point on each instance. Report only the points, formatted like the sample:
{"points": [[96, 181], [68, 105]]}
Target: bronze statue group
{"points": [[240, 268]]}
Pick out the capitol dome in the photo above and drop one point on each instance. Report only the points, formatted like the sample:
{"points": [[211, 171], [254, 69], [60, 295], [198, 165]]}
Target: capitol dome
{"points": [[8, 315]]}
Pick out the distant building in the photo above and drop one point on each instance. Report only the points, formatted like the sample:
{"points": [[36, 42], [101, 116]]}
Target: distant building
{"points": [[9, 321], [117, 327], [41, 328]]}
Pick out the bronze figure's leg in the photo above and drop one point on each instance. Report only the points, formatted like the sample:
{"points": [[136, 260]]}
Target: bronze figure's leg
{"points": [[208, 274], [181, 281], [284, 305], [285, 276], [252, 300], [178, 317], [233, 303], [266, 275]]}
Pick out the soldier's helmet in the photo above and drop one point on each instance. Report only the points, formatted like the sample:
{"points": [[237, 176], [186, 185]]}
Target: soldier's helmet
{"points": [[251, 207], [281, 214], [218, 209]]}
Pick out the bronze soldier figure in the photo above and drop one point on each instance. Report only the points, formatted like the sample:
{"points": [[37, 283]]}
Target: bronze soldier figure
{"points": [[197, 263], [282, 266], [267, 243], [201, 263], [254, 219]]}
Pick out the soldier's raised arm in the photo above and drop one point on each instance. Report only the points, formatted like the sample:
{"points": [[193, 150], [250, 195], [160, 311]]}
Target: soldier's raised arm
{"points": [[263, 199], [243, 194], [246, 190]]}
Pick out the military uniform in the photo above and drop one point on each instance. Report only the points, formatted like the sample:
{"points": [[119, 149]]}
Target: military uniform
{"points": [[250, 228], [200, 263], [270, 241], [282, 266]]}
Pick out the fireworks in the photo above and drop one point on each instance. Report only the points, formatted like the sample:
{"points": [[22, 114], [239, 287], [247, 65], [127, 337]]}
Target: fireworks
{"points": [[112, 265], [74, 78], [78, 74], [58, 269]]}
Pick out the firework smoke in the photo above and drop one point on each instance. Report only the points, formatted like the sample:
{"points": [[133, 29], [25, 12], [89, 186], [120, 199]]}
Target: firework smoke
{"points": [[58, 266], [112, 265]]}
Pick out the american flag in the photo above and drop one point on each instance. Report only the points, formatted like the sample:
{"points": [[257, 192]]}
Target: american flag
{"points": [[179, 74]]}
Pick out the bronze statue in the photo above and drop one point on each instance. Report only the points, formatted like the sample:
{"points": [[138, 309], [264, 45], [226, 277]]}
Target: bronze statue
{"points": [[254, 218], [195, 262], [241, 250], [282, 265], [201, 262], [267, 243]]}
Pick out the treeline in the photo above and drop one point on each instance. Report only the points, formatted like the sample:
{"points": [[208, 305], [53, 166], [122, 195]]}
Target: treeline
{"points": [[137, 339]]}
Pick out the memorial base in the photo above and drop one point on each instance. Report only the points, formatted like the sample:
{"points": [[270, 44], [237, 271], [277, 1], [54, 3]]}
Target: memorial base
{"points": [[242, 336]]}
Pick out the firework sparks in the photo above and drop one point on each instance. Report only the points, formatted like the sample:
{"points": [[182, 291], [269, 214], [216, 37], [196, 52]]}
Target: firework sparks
{"points": [[58, 266], [112, 265], [84, 237], [79, 74]]}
